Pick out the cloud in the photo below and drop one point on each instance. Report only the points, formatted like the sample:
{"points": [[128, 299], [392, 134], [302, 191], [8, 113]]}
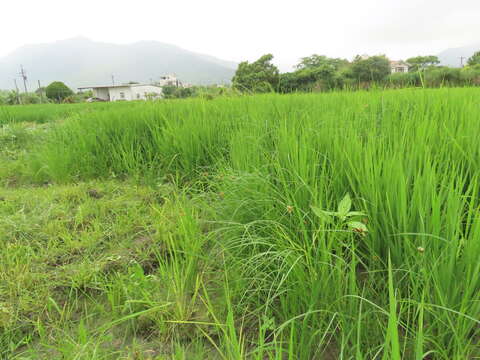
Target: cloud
{"points": [[244, 30]]}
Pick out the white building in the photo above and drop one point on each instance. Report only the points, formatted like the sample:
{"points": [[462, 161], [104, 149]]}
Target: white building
{"points": [[170, 80], [125, 92], [398, 66]]}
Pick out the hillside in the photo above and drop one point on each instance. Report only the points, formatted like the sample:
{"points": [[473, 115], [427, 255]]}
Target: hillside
{"points": [[83, 62], [451, 57]]}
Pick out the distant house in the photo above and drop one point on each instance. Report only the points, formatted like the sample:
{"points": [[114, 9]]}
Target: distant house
{"points": [[125, 92], [398, 66], [170, 80]]}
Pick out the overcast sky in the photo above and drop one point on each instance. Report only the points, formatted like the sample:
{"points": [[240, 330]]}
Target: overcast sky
{"points": [[245, 29]]}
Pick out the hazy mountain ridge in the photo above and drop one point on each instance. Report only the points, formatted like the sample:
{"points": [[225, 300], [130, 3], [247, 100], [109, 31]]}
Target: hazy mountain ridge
{"points": [[451, 57], [83, 62]]}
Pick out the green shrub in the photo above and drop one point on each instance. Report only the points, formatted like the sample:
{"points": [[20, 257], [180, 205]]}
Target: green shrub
{"points": [[401, 80], [58, 91], [442, 76], [470, 75]]}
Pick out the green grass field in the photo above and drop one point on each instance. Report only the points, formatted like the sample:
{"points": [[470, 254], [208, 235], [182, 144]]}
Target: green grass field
{"points": [[50, 112], [315, 226]]}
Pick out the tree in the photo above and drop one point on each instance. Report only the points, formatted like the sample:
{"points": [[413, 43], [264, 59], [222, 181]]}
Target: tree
{"points": [[288, 82], [421, 62], [474, 59], [259, 76], [315, 61], [183, 93], [470, 75], [58, 91], [168, 91], [373, 68], [173, 92], [322, 77]]}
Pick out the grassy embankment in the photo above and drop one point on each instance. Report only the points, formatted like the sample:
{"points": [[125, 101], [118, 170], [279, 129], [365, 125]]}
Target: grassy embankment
{"points": [[194, 229]]}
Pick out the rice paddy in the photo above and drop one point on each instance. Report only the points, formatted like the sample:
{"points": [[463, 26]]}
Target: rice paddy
{"points": [[308, 226]]}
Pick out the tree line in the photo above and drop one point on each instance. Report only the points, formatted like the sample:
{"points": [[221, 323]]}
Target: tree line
{"points": [[58, 92], [321, 73], [312, 73], [55, 92]]}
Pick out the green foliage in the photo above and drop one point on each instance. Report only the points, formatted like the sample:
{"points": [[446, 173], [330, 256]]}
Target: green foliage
{"points": [[321, 73], [421, 62], [174, 92], [470, 75], [9, 98], [184, 229], [58, 91], [316, 72], [373, 68], [185, 93], [168, 91], [43, 113], [351, 219], [315, 61], [322, 77], [214, 91], [30, 98], [259, 76], [474, 59], [80, 97], [12, 98], [101, 241], [40, 91], [3, 97], [443, 76], [402, 80], [289, 82]]}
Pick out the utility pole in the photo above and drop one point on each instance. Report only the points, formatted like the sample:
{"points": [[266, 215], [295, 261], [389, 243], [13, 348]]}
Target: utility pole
{"points": [[23, 73], [113, 80], [40, 91], [16, 92], [461, 60]]}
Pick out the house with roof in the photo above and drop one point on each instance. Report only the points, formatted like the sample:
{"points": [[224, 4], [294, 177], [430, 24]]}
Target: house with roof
{"points": [[399, 66], [125, 92], [170, 80]]}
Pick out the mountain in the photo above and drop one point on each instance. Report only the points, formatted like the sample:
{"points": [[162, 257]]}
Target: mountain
{"points": [[83, 62], [451, 57]]}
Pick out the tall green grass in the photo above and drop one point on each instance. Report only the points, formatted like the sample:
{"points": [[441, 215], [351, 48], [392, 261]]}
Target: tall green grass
{"points": [[297, 285], [42, 113]]}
